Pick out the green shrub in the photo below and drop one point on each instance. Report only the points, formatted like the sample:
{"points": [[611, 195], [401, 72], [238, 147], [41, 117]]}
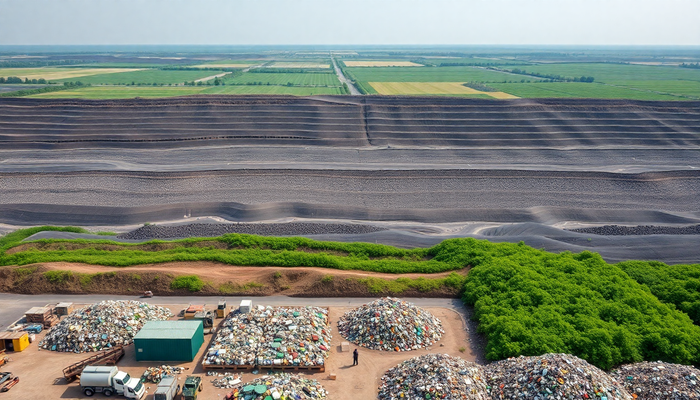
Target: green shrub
{"points": [[674, 284], [327, 279], [190, 282], [58, 277], [23, 272]]}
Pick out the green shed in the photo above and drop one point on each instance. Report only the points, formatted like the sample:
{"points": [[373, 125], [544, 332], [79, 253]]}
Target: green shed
{"points": [[169, 341]]}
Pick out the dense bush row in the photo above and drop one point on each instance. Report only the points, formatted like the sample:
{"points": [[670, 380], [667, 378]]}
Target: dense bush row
{"points": [[532, 302], [527, 301], [675, 284]]}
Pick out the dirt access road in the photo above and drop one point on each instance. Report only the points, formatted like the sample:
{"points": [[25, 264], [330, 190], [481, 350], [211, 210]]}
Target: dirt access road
{"points": [[43, 379], [343, 79]]}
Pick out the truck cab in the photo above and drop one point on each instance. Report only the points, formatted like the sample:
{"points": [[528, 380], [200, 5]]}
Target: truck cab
{"points": [[192, 387]]}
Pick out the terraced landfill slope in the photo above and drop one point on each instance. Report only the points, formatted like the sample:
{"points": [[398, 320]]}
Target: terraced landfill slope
{"points": [[428, 168]]}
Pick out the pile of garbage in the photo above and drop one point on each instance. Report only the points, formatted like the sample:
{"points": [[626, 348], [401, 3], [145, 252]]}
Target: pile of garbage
{"points": [[227, 381], [551, 376], [390, 324], [102, 326], [279, 386], [660, 381], [156, 374], [269, 336], [434, 376]]}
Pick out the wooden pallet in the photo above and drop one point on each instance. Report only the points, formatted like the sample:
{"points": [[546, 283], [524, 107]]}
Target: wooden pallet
{"points": [[242, 368], [294, 368]]}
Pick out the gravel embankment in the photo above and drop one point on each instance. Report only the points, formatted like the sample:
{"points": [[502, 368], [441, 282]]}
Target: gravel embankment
{"points": [[618, 230], [211, 230]]}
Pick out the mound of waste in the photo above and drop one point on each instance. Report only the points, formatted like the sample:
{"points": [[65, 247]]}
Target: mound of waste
{"points": [[434, 376], [551, 376], [390, 324], [660, 380], [102, 325], [265, 336], [279, 386]]}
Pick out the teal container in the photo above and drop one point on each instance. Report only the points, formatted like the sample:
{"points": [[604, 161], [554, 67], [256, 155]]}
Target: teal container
{"points": [[169, 341]]}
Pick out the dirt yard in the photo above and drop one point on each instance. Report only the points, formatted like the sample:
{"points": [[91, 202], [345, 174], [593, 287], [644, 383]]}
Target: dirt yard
{"points": [[41, 377], [220, 279]]}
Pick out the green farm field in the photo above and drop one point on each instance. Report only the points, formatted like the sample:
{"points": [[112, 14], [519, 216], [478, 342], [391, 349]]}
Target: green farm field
{"points": [[127, 92], [301, 79], [679, 87], [430, 74], [146, 76], [577, 90], [613, 73], [121, 92], [272, 89]]}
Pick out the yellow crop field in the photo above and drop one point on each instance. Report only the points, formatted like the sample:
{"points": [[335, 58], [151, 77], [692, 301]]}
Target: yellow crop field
{"points": [[59, 73], [381, 64], [501, 95], [428, 88], [298, 65]]}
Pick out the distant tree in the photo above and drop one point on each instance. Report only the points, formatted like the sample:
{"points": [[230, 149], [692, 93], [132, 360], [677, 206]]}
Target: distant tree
{"points": [[42, 81], [133, 83]]}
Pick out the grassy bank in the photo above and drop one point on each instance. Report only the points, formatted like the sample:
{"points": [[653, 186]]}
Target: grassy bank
{"points": [[526, 301]]}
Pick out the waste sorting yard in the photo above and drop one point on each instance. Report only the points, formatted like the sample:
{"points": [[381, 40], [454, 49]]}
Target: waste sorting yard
{"points": [[272, 337], [390, 324], [339, 380]]}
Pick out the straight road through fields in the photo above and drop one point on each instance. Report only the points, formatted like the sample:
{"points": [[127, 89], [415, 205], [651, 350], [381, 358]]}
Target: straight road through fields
{"points": [[343, 79]]}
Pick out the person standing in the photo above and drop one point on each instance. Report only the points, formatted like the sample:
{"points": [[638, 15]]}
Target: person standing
{"points": [[355, 354]]}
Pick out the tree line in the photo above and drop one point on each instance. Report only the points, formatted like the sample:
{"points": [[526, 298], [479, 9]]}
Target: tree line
{"points": [[13, 80], [690, 65], [552, 77]]}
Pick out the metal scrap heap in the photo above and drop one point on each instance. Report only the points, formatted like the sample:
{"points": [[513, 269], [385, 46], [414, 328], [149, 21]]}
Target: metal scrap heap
{"points": [[102, 326], [272, 336], [660, 380], [156, 374], [390, 324], [551, 376], [279, 386], [434, 376]]}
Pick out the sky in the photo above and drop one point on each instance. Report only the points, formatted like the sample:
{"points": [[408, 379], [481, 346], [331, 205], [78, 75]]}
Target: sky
{"points": [[340, 22]]}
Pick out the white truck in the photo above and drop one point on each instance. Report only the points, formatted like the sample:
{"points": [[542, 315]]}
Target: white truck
{"points": [[167, 389], [110, 380]]}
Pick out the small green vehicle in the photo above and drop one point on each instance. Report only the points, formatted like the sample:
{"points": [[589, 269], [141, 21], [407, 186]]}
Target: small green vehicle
{"points": [[193, 385]]}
